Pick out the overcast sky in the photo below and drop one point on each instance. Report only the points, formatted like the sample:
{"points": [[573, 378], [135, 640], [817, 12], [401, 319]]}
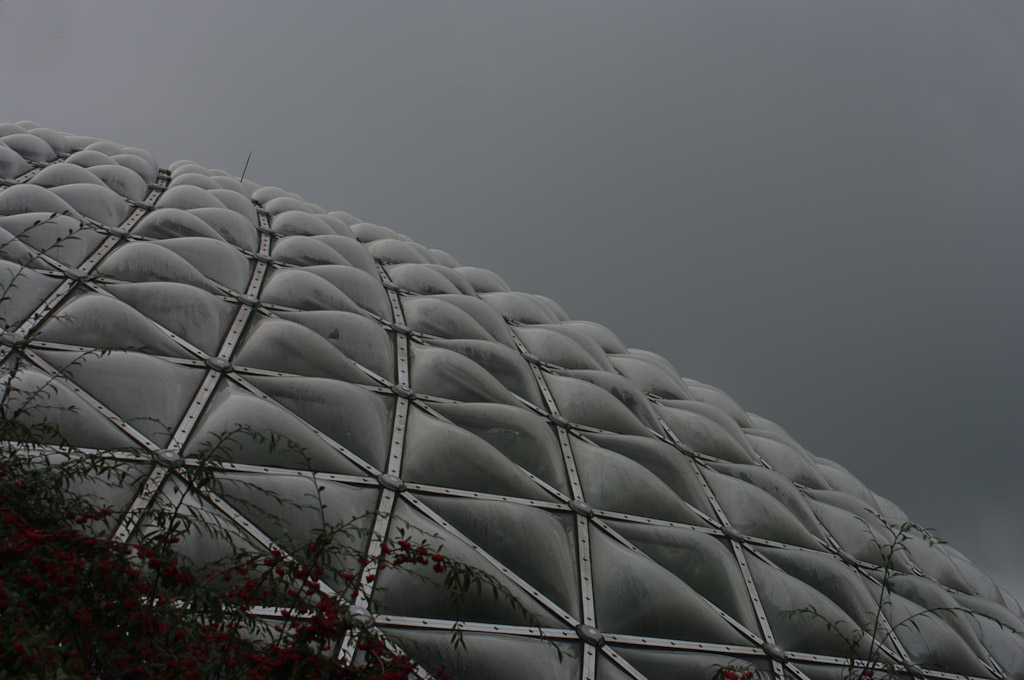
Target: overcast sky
{"points": [[816, 206]]}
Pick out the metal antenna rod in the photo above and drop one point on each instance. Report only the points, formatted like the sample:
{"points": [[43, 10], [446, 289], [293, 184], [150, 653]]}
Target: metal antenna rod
{"points": [[246, 167]]}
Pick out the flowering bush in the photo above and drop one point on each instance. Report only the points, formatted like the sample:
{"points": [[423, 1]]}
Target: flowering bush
{"points": [[735, 673], [77, 605]]}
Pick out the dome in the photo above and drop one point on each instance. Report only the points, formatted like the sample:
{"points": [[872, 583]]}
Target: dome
{"points": [[647, 525]]}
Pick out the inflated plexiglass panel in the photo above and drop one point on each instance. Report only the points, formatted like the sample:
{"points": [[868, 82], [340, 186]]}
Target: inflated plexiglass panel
{"points": [[647, 524]]}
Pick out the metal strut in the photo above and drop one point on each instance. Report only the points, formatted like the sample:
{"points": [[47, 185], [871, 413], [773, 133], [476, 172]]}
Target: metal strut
{"points": [[587, 630], [391, 484]]}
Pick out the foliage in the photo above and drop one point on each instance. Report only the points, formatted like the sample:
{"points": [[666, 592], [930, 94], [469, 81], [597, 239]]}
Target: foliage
{"points": [[76, 603], [736, 671]]}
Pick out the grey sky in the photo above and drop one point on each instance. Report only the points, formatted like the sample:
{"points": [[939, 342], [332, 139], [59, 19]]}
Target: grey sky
{"points": [[813, 205]]}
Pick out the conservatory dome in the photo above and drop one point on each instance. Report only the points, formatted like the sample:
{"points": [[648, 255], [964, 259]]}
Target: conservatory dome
{"points": [[647, 525]]}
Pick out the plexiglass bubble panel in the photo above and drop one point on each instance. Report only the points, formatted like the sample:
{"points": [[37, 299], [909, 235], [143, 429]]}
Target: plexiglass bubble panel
{"points": [[647, 524]]}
